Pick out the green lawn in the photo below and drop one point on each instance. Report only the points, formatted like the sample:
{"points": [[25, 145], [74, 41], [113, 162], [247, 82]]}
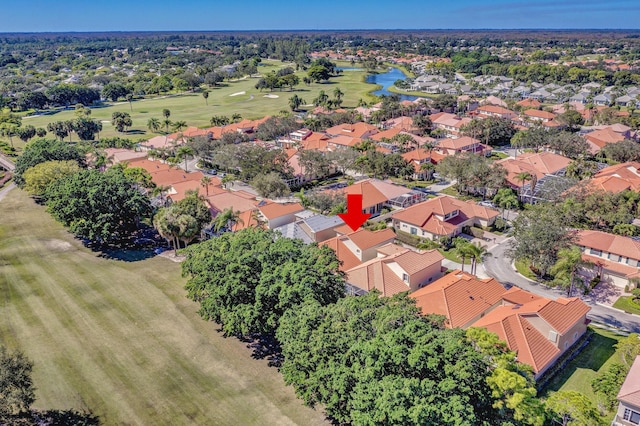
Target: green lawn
{"points": [[452, 256], [121, 339], [595, 358], [191, 107], [627, 304], [522, 266]]}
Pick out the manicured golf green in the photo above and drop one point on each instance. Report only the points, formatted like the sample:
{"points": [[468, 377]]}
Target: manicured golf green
{"points": [[233, 97], [120, 338]]}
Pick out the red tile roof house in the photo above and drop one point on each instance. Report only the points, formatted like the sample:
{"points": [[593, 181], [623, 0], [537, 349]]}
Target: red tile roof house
{"points": [[443, 216], [377, 194], [495, 111], [353, 248], [394, 273], [538, 115], [463, 144], [597, 139], [276, 214], [451, 124], [359, 130], [629, 398], [538, 164], [539, 330], [615, 256], [418, 159], [618, 178]]}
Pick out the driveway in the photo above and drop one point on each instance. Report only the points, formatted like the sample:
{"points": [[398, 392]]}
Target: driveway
{"points": [[499, 266]]}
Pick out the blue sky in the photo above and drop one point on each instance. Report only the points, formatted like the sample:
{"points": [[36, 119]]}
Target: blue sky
{"points": [[147, 15]]}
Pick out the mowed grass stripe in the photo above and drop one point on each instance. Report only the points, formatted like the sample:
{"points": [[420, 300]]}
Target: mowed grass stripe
{"points": [[120, 338]]}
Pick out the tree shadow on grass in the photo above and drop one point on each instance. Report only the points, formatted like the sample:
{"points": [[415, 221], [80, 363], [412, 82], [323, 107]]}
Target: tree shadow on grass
{"points": [[265, 347], [53, 418]]}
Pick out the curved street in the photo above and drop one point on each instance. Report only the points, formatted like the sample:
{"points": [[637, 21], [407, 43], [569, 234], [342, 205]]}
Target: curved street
{"points": [[499, 266]]}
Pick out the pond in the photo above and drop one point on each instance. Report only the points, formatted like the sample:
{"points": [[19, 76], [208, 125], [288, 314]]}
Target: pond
{"points": [[386, 80]]}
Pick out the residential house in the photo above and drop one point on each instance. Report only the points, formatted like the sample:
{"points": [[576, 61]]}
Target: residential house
{"points": [[529, 103], [377, 194], [354, 248], [443, 216], [597, 139], [538, 165], [581, 98], [402, 270], [629, 398], [615, 258], [617, 178], [495, 111], [461, 297], [538, 329], [604, 99], [121, 155], [450, 124], [464, 144], [419, 158], [358, 130], [311, 227], [538, 115], [277, 214]]}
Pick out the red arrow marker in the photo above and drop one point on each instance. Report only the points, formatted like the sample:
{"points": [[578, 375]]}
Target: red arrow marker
{"points": [[354, 216]]}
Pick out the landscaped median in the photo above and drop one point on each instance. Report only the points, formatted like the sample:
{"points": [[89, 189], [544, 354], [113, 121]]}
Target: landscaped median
{"points": [[629, 304]]}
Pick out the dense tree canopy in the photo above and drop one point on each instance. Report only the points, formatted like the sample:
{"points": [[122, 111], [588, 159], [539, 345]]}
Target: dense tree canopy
{"points": [[247, 280], [99, 206], [41, 150], [17, 391], [375, 360], [40, 176]]}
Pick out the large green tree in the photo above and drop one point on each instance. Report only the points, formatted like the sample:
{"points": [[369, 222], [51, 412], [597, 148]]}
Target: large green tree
{"points": [[572, 408], [375, 360], [102, 207], [41, 150], [247, 280], [17, 392], [39, 177]]}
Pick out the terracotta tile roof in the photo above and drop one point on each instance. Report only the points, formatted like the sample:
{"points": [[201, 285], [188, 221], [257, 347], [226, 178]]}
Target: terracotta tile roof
{"points": [[390, 249], [416, 155], [379, 272], [375, 191], [190, 132], [546, 162], [179, 190], [495, 109], [402, 123], [124, 155], [610, 243], [516, 296], [150, 166], [274, 210], [173, 176], [246, 219], [365, 239], [355, 130], [346, 257], [233, 200], [630, 390], [315, 142], [529, 103], [458, 143], [613, 184], [522, 337], [494, 100], [459, 296], [386, 134], [159, 142], [344, 140], [536, 113], [603, 136], [423, 214]]}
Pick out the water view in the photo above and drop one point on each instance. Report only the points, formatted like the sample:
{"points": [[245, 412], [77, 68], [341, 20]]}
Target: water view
{"points": [[386, 80]]}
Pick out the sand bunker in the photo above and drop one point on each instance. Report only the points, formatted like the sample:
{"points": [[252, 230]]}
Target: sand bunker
{"points": [[271, 96], [237, 93]]}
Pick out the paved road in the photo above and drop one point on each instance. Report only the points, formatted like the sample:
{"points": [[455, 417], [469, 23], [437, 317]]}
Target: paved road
{"points": [[4, 191], [6, 163], [499, 266]]}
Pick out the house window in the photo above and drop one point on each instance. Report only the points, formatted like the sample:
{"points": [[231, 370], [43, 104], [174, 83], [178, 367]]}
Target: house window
{"points": [[595, 252], [575, 336], [632, 416], [414, 231], [405, 278], [566, 345]]}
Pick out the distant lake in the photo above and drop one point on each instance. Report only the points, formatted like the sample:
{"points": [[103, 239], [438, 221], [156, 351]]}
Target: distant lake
{"points": [[386, 80]]}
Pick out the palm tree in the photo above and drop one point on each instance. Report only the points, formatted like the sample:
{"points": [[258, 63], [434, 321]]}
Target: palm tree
{"points": [[166, 113], [205, 95], [228, 178], [462, 250], [129, 99], [523, 177], [567, 266], [183, 153], [166, 123], [505, 199], [477, 252], [179, 126], [205, 181], [153, 124], [226, 219], [160, 190], [236, 117]]}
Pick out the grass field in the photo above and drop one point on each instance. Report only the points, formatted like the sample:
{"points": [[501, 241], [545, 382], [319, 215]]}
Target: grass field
{"points": [[120, 338], [191, 107], [595, 358], [627, 304]]}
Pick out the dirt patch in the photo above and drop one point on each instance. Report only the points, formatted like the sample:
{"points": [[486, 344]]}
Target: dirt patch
{"points": [[57, 245]]}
